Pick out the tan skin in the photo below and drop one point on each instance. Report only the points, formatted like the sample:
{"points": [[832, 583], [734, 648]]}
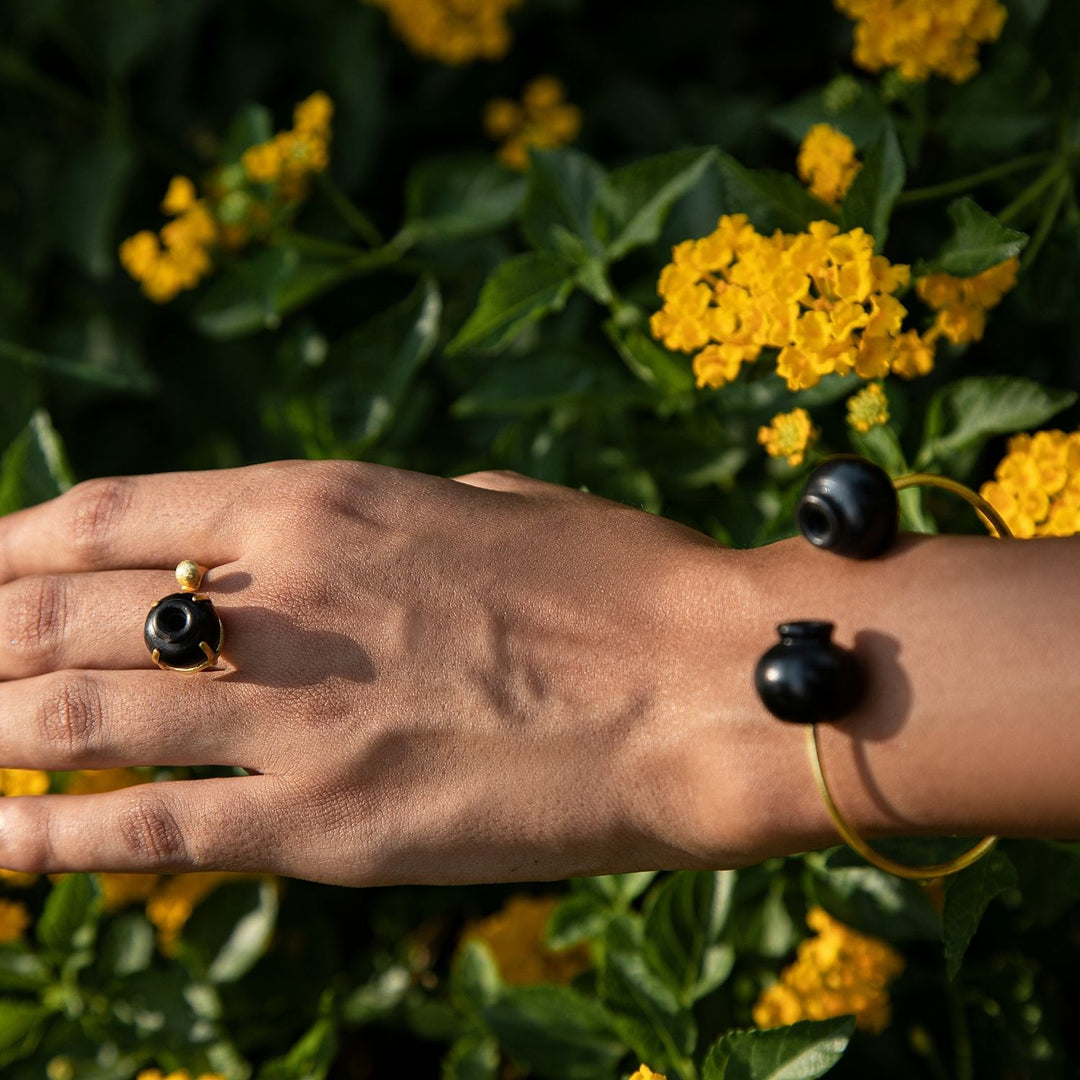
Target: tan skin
{"points": [[493, 679]]}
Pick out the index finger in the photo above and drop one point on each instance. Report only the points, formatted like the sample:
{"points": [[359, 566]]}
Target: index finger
{"points": [[129, 522]]}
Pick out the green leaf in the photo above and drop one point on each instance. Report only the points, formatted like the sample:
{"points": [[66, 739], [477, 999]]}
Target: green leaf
{"points": [[127, 946], [881, 446], [617, 890], [967, 895], [309, 1059], [870, 200], [21, 969], [555, 1032], [474, 975], [579, 918], [561, 202], [34, 467], [648, 1013], [969, 411], [91, 193], [251, 124], [772, 200], [861, 115], [378, 997], [20, 1028], [447, 198], [872, 901], [230, 930], [634, 201], [474, 1056], [802, 1051], [978, 242], [72, 904], [256, 293], [654, 365], [369, 372], [682, 931], [519, 292]]}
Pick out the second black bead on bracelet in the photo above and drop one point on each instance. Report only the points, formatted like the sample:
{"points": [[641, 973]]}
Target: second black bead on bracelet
{"points": [[849, 507], [806, 677]]}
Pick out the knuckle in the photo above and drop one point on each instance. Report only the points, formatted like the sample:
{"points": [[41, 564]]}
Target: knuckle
{"points": [[151, 834], [69, 717], [35, 615], [97, 507]]}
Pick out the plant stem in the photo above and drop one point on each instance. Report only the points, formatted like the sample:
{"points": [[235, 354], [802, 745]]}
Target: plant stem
{"points": [[353, 216], [1046, 222], [1044, 180], [964, 183]]}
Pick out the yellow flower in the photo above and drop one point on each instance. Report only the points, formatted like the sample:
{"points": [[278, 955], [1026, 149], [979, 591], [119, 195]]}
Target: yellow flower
{"points": [[543, 119], [827, 163], [171, 905], [23, 782], [176, 1074], [119, 890], [515, 936], [822, 299], [923, 37], [16, 879], [313, 114], [645, 1073], [95, 781], [961, 303], [179, 197], [452, 31], [837, 971], [787, 435], [1036, 486], [14, 919], [868, 408], [263, 162]]}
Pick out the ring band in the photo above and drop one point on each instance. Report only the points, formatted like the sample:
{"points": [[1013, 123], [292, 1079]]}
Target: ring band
{"points": [[183, 631]]}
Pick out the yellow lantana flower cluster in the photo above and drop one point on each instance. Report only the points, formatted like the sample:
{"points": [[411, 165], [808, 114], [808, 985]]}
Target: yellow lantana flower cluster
{"points": [[14, 919], [452, 31], [921, 38], [961, 303], [1036, 486], [516, 937], [868, 408], [827, 163], [787, 435], [176, 1074], [838, 972], [645, 1073], [177, 258], [822, 298], [544, 119], [23, 782], [291, 156], [171, 905]]}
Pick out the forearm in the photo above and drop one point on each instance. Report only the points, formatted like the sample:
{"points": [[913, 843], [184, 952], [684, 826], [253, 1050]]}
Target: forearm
{"points": [[969, 722]]}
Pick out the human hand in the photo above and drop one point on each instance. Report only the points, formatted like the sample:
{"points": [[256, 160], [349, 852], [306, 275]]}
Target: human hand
{"points": [[429, 680]]}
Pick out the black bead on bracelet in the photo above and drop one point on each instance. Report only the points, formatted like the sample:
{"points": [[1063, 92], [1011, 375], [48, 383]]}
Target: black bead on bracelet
{"points": [[850, 507]]}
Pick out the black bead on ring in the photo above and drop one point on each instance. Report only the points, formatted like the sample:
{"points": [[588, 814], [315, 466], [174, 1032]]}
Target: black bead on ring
{"points": [[183, 631]]}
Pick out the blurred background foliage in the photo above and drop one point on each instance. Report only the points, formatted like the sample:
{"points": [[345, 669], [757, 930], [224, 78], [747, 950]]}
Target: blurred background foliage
{"points": [[357, 326]]}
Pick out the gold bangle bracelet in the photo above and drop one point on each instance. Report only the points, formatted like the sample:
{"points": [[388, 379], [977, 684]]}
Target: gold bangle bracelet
{"points": [[997, 527]]}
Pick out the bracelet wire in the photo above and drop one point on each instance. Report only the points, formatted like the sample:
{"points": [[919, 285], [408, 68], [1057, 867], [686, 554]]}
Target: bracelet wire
{"points": [[998, 528]]}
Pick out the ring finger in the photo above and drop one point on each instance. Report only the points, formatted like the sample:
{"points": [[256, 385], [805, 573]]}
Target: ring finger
{"points": [[57, 621]]}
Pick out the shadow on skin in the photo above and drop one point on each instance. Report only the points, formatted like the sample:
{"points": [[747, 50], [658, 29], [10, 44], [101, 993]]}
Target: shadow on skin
{"points": [[293, 655]]}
